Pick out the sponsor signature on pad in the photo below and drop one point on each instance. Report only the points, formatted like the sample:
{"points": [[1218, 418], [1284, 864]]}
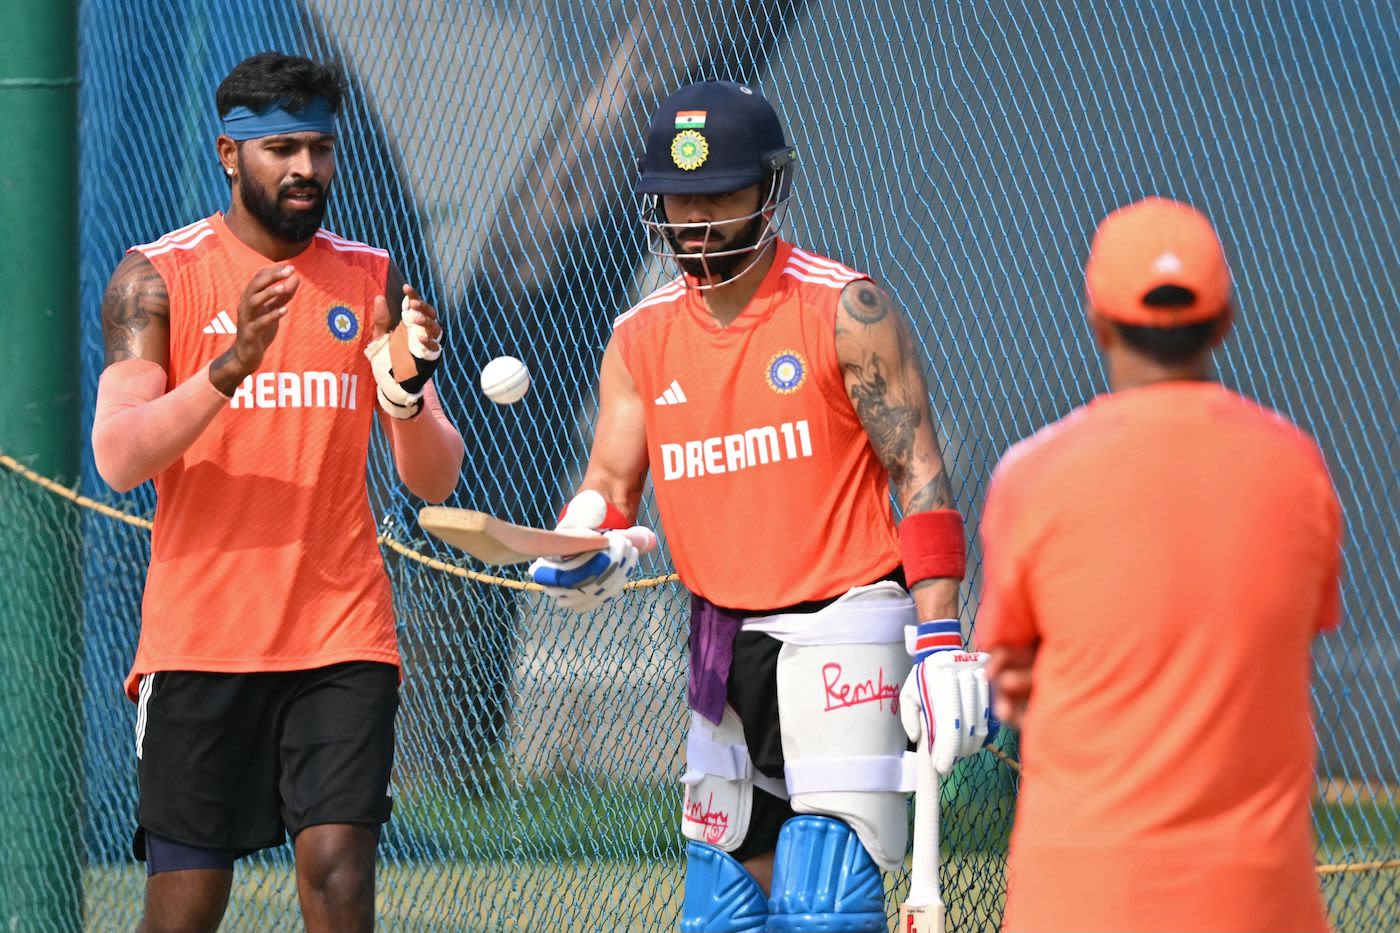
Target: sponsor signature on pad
{"points": [[714, 821], [842, 694]]}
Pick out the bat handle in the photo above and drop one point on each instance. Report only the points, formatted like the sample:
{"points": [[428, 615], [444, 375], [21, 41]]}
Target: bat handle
{"points": [[923, 872], [642, 538]]}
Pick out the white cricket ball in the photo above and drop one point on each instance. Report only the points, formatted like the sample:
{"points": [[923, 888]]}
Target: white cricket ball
{"points": [[505, 380]]}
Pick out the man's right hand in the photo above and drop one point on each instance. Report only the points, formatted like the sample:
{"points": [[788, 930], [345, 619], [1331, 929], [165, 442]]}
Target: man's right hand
{"points": [[1010, 673], [263, 305], [586, 581]]}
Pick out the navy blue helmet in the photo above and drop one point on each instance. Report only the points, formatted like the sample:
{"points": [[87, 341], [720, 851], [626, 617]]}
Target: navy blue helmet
{"points": [[710, 138], [713, 138]]}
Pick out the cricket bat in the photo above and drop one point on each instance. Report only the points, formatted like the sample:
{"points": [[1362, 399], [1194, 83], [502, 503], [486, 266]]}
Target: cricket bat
{"points": [[496, 541], [922, 911]]}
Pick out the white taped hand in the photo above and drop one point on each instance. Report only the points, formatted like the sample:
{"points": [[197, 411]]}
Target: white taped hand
{"points": [[416, 322], [397, 401], [401, 394], [947, 697], [585, 582]]}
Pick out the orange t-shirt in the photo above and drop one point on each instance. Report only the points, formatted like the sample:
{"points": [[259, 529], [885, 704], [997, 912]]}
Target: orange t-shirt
{"points": [[1173, 550], [263, 556], [765, 479]]}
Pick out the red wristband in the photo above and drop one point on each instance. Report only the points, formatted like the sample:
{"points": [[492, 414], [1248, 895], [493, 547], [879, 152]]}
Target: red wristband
{"points": [[613, 519], [933, 546]]}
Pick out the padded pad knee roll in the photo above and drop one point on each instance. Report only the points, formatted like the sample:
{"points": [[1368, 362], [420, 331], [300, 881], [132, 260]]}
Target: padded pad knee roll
{"points": [[720, 895], [824, 881]]}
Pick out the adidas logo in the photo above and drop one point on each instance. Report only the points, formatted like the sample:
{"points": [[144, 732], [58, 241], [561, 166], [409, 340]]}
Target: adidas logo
{"points": [[672, 396], [221, 324]]}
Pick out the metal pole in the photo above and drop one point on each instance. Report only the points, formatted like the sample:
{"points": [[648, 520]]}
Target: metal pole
{"points": [[40, 631]]}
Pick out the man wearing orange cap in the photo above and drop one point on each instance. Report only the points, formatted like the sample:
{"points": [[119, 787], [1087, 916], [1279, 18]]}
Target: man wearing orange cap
{"points": [[1156, 566]]}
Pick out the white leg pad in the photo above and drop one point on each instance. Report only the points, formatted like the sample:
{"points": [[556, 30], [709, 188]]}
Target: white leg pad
{"points": [[844, 744], [719, 782]]}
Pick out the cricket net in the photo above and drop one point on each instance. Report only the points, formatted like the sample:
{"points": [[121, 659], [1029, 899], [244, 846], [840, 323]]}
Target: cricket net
{"points": [[961, 153]]}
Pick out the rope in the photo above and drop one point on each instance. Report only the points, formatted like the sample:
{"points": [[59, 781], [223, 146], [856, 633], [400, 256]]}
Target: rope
{"points": [[1006, 759], [1358, 866], [442, 566], [426, 560], [72, 495]]}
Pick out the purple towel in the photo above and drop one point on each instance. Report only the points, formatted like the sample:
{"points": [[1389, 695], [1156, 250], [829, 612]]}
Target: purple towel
{"points": [[712, 634]]}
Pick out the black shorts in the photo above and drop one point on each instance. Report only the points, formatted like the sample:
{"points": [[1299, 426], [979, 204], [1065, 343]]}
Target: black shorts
{"points": [[235, 761], [753, 692]]}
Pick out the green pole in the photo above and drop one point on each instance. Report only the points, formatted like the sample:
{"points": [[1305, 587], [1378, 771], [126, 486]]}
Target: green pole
{"points": [[40, 639]]}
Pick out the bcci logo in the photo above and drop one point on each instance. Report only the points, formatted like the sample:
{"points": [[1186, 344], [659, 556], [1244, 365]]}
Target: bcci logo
{"points": [[689, 150], [786, 372], [342, 322]]}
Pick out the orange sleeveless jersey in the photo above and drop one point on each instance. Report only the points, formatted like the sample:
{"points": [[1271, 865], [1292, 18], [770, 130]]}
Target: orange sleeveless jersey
{"points": [[263, 556], [767, 486]]}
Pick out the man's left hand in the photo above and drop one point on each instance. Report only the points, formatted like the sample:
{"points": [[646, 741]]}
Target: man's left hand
{"points": [[404, 357]]}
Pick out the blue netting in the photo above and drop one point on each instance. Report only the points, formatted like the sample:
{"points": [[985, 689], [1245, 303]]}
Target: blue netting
{"points": [[959, 152]]}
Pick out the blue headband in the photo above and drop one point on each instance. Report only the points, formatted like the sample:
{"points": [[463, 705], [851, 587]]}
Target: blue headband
{"points": [[242, 123]]}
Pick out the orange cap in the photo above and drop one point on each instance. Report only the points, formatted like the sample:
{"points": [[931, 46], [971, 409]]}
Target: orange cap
{"points": [[1147, 245]]}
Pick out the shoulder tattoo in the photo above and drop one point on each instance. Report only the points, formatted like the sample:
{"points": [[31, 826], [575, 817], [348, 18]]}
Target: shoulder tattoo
{"points": [[868, 305], [135, 294]]}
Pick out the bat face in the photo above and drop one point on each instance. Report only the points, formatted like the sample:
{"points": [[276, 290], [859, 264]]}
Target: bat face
{"points": [[926, 918], [496, 541]]}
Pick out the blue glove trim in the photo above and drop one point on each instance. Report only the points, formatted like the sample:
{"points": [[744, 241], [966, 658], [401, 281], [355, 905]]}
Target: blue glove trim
{"points": [[572, 577]]}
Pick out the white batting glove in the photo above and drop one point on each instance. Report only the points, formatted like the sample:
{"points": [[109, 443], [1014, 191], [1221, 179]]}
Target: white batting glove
{"points": [[946, 696], [586, 581]]}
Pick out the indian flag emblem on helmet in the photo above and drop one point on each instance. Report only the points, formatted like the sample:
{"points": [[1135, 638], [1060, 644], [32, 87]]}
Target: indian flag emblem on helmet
{"points": [[689, 150], [786, 372]]}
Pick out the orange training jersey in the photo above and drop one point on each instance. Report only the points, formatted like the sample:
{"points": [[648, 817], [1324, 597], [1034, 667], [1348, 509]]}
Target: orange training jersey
{"points": [[263, 556], [1173, 549], [766, 482]]}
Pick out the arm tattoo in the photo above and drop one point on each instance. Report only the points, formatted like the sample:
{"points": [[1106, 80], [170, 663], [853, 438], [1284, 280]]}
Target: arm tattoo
{"points": [[135, 294], [885, 383], [936, 494], [889, 426], [869, 305]]}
